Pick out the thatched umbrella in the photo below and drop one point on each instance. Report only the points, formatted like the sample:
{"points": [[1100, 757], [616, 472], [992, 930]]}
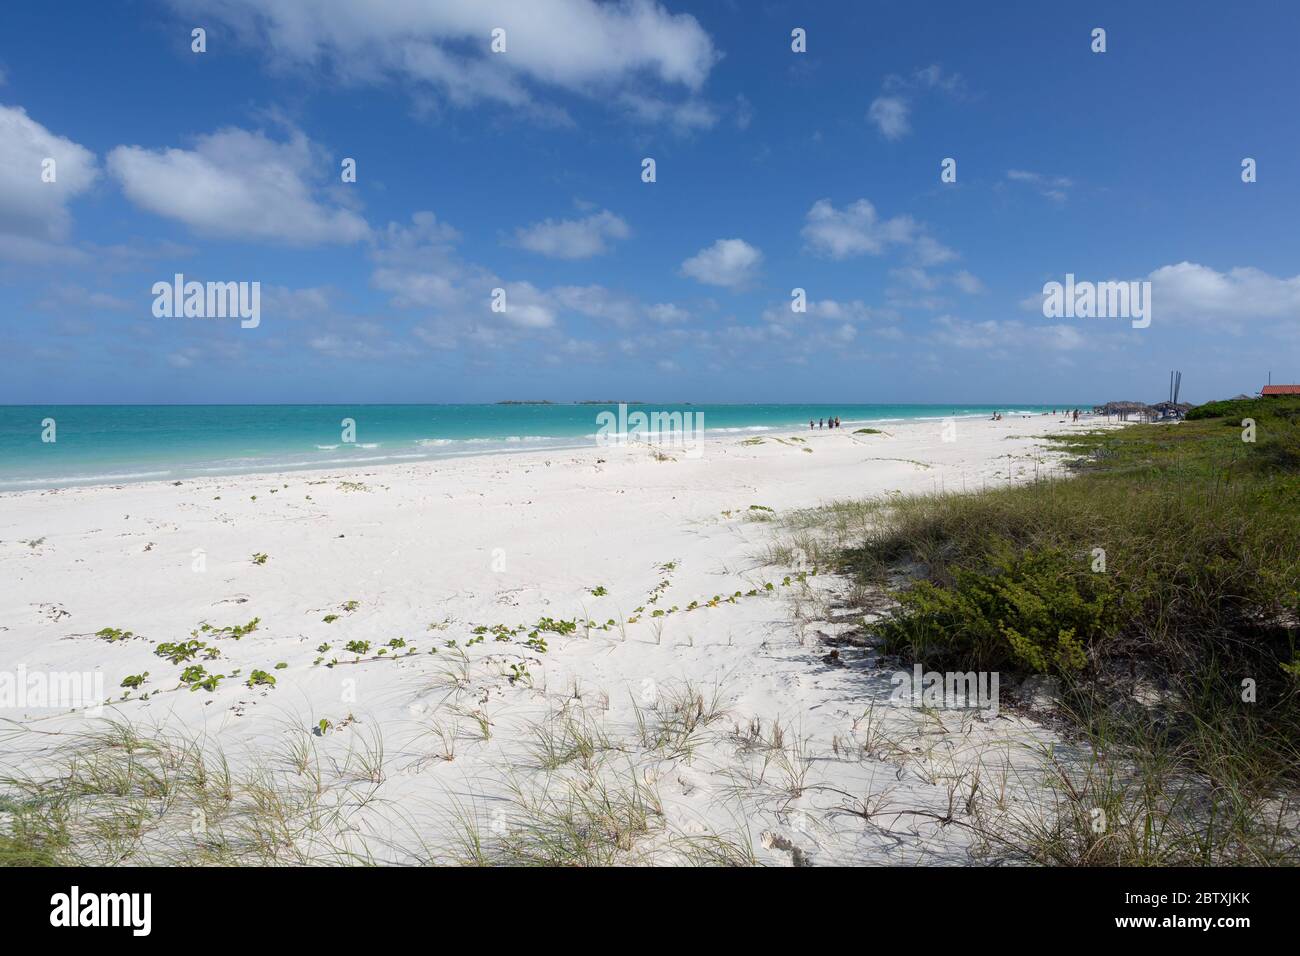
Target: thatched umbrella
{"points": [[1125, 409]]}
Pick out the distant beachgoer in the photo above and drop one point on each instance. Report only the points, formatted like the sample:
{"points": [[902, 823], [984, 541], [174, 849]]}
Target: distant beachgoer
{"points": [[837, 421], [810, 424], [821, 423]]}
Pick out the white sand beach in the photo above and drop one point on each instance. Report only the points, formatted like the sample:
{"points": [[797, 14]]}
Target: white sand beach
{"points": [[773, 748]]}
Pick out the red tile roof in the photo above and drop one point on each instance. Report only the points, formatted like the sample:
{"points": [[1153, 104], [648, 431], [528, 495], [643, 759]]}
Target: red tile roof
{"points": [[1281, 390]]}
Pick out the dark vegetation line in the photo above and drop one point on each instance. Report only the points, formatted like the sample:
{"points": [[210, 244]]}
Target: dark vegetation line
{"points": [[1160, 585]]}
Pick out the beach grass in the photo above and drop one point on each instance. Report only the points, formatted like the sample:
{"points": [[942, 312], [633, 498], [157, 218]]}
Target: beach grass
{"points": [[122, 793], [1159, 585]]}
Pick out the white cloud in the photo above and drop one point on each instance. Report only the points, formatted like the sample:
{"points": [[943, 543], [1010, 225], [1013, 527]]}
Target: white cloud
{"points": [[930, 252], [834, 322], [921, 280], [917, 278], [891, 110], [418, 266], [968, 283], [238, 184], [931, 77], [184, 358], [1195, 293], [853, 231], [972, 335], [308, 303], [34, 215], [1054, 188], [1061, 338], [889, 113], [852, 311], [363, 341], [573, 45], [744, 111], [1006, 336], [858, 230], [74, 299], [827, 324], [624, 311], [667, 313], [831, 310], [40, 252], [728, 262], [684, 117], [527, 306], [1190, 293], [597, 302], [580, 350], [573, 238]]}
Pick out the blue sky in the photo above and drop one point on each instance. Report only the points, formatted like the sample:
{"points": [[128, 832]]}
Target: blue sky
{"points": [[522, 171]]}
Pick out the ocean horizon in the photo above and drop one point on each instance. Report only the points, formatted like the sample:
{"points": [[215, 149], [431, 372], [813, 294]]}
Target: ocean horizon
{"points": [[111, 444]]}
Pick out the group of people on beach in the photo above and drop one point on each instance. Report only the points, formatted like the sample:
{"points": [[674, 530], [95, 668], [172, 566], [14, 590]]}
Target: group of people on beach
{"points": [[1067, 412], [825, 422]]}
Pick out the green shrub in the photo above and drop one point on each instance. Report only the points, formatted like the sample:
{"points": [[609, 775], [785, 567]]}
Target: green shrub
{"points": [[1036, 611], [1196, 536]]}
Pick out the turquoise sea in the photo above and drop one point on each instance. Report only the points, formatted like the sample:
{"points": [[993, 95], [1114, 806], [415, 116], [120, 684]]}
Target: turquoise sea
{"points": [[96, 444]]}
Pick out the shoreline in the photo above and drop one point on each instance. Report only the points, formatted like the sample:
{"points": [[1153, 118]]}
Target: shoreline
{"points": [[151, 472]]}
